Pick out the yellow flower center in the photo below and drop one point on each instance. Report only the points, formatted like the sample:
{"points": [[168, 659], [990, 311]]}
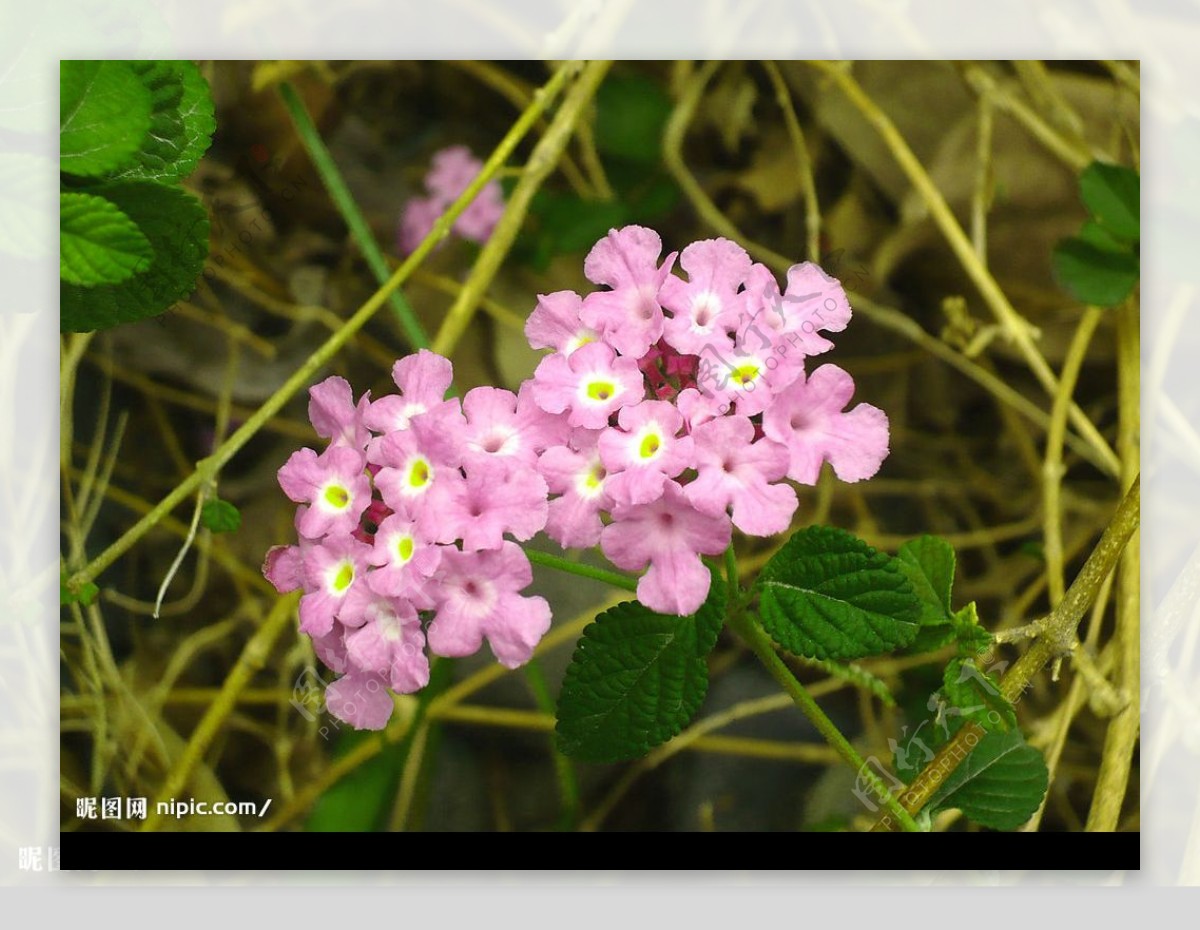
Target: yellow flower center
{"points": [[418, 475], [649, 447], [404, 548], [601, 390], [337, 496], [344, 577], [746, 373]]}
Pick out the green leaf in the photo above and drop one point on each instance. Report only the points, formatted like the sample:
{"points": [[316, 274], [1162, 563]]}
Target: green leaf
{"points": [[828, 595], [972, 638], [564, 223], [929, 564], [176, 225], [220, 516], [104, 114], [631, 112], [1112, 194], [972, 694], [86, 594], [181, 121], [1093, 275], [636, 679], [999, 785], [98, 244]]}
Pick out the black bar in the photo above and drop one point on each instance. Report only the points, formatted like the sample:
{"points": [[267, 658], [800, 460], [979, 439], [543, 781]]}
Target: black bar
{"points": [[843, 851]]}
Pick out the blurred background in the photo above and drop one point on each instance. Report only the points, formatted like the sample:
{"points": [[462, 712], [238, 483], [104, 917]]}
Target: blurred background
{"points": [[780, 157]]}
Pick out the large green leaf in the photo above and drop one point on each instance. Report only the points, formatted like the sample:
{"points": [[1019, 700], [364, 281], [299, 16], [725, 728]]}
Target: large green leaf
{"points": [[828, 595], [176, 225], [98, 244], [104, 114], [1000, 784], [1112, 194], [181, 122], [636, 679]]}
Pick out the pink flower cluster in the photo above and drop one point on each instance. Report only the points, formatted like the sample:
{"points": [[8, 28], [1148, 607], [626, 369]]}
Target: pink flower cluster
{"points": [[689, 405], [452, 170], [407, 511], [670, 411]]}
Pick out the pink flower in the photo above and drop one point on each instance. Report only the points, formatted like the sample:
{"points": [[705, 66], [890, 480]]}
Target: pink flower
{"points": [[504, 425], [669, 535], [334, 483], [478, 598], [361, 700], [416, 222], [734, 470], [497, 497], [405, 559], [698, 407], [414, 479], [578, 475], [331, 571], [629, 315], [423, 379], [706, 308], [555, 323], [808, 419], [645, 452], [814, 302], [390, 644], [452, 171], [334, 415], [590, 386], [749, 376]]}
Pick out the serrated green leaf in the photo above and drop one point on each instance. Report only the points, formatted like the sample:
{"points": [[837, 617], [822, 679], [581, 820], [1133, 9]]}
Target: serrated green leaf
{"points": [[176, 225], [828, 595], [931, 638], [1112, 194], [999, 785], [181, 121], [969, 693], [631, 113], [1093, 275], [220, 516], [98, 244], [104, 114], [929, 564], [636, 679]]}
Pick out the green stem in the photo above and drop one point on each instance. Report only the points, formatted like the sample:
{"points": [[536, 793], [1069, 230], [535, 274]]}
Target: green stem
{"points": [[584, 571], [568, 785], [747, 627], [731, 577], [344, 201], [302, 377]]}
